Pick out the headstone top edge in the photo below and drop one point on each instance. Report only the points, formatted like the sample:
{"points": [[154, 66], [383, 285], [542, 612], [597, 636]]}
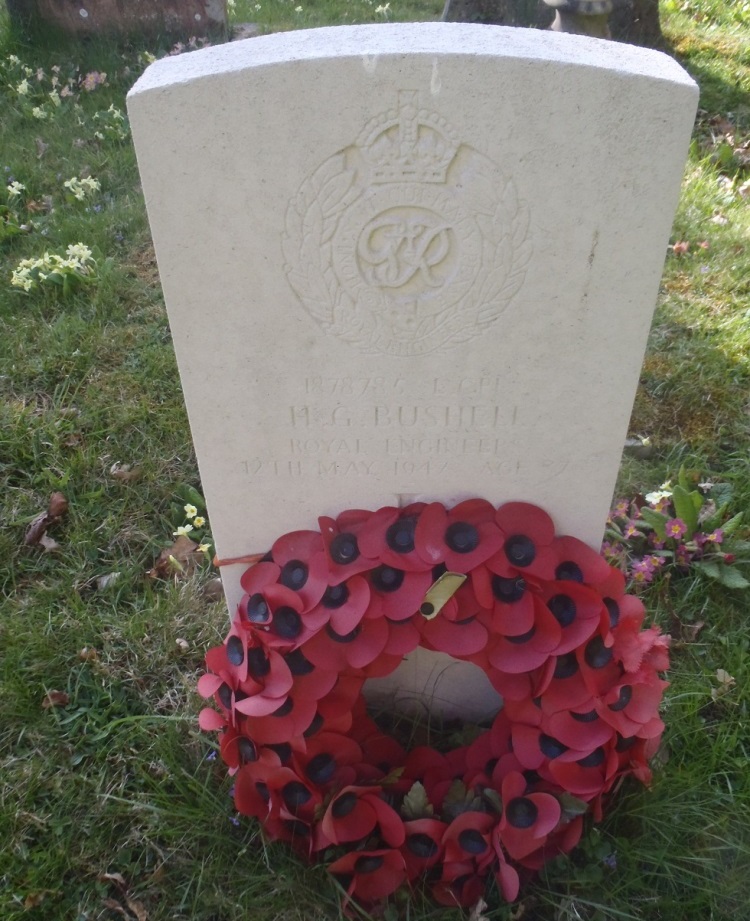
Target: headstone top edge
{"points": [[385, 39]]}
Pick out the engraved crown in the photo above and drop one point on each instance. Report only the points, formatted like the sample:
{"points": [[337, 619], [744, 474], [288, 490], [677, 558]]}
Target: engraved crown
{"points": [[408, 145]]}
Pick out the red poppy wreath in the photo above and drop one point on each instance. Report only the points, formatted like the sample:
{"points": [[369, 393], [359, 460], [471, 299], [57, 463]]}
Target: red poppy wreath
{"points": [[544, 616]]}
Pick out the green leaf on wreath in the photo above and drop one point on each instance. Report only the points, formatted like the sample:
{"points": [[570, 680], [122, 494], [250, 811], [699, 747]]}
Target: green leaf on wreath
{"points": [[655, 520], [493, 798], [392, 777], [459, 800], [416, 805], [572, 806]]}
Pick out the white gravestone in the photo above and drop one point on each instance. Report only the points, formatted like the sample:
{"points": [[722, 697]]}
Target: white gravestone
{"points": [[409, 261]]}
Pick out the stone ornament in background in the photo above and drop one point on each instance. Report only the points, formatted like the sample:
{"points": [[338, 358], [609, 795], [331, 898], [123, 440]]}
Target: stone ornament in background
{"points": [[409, 262], [177, 18]]}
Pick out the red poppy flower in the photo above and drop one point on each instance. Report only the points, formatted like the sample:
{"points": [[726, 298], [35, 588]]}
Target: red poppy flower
{"points": [[370, 875], [515, 654], [309, 679], [422, 846], [506, 875], [575, 561], [533, 748], [560, 841], [461, 538], [528, 533], [268, 682], [344, 556], [527, 817], [396, 593], [389, 536], [468, 839], [484, 753], [403, 638], [459, 885], [577, 609], [343, 606], [252, 796], [632, 707], [355, 649], [302, 561], [581, 727], [355, 812], [291, 718], [590, 776]]}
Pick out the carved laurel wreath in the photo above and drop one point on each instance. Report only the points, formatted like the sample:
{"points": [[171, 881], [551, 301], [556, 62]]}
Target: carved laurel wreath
{"points": [[544, 616]]}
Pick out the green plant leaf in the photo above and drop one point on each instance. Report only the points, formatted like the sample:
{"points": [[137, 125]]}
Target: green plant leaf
{"points": [[686, 509], [708, 568], [734, 522], [655, 520], [732, 577], [416, 805], [572, 806]]}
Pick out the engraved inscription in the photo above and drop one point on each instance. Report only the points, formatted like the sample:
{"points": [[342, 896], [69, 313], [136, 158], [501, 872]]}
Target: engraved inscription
{"points": [[407, 242]]}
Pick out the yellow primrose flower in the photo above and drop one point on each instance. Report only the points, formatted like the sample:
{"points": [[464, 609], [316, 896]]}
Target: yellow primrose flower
{"points": [[199, 522], [23, 88], [190, 511], [204, 548], [182, 531]]}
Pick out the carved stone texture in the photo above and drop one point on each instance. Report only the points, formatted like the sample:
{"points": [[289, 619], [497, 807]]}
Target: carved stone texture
{"points": [[177, 18], [397, 268]]}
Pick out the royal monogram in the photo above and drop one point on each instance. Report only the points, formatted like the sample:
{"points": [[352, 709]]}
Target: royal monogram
{"points": [[408, 241]]}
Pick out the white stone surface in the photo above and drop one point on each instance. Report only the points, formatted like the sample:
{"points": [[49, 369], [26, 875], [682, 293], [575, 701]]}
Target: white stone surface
{"points": [[406, 261]]}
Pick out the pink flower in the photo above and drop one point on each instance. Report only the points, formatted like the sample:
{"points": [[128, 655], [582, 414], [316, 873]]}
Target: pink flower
{"points": [[676, 528]]}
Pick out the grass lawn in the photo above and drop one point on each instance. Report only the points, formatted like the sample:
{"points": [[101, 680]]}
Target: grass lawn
{"points": [[112, 804]]}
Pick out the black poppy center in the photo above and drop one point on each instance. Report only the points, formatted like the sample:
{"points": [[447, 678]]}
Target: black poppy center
{"points": [[257, 663], [422, 846], [520, 550], [235, 650], [287, 623], [283, 750], [294, 574], [247, 750], [551, 747], [472, 841], [225, 695], [295, 794], [521, 812], [567, 665], [400, 535], [462, 537], [596, 654], [298, 664], [613, 609], [368, 864], [257, 609], [335, 596], [522, 638], [263, 791], [624, 743], [347, 637], [568, 571], [508, 590], [387, 579], [321, 768], [344, 805], [285, 709], [588, 717], [594, 759], [317, 722], [563, 609], [344, 548], [626, 695]]}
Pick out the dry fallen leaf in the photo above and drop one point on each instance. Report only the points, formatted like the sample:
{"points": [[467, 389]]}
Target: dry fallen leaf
{"points": [[105, 581], [137, 908], [114, 905], [183, 644], [477, 912], [48, 543], [126, 473], [57, 507], [181, 559], [88, 655], [213, 590], [41, 148], [117, 878], [55, 699], [34, 899]]}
